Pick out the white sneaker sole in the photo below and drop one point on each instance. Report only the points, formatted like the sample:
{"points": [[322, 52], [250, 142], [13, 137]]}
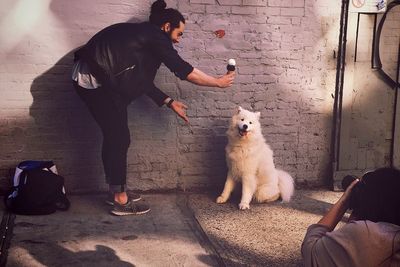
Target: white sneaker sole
{"points": [[122, 213]]}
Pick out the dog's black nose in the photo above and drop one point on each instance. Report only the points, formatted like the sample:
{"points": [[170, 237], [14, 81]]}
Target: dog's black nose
{"points": [[245, 126]]}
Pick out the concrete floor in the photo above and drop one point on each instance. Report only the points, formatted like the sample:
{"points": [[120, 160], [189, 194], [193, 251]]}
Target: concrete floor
{"points": [[180, 230]]}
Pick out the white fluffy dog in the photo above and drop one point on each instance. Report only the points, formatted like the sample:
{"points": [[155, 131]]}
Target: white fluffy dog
{"points": [[250, 161]]}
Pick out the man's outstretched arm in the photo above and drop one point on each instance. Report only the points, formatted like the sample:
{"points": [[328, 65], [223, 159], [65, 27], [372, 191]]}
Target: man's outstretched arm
{"points": [[200, 78]]}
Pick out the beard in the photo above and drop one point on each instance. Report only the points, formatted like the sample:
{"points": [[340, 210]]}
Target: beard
{"points": [[170, 36]]}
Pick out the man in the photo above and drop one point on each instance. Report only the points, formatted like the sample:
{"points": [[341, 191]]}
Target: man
{"points": [[116, 66]]}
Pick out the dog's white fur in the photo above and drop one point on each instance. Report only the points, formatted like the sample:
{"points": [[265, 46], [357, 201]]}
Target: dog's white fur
{"points": [[250, 161]]}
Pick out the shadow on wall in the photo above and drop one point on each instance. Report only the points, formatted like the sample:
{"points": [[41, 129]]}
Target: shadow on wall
{"points": [[63, 129]]}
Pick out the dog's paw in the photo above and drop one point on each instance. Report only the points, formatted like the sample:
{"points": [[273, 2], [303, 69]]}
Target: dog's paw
{"points": [[220, 200], [244, 206]]}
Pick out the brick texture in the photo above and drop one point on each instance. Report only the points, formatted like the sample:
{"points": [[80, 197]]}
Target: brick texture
{"points": [[285, 69]]}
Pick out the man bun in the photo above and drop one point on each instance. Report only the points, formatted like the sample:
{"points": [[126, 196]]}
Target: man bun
{"points": [[158, 6], [160, 15]]}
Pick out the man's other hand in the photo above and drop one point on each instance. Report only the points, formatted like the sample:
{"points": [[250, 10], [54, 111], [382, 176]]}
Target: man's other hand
{"points": [[180, 109]]}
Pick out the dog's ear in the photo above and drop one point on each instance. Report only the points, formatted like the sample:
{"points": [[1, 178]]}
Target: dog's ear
{"points": [[258, 115], [239, 109]]}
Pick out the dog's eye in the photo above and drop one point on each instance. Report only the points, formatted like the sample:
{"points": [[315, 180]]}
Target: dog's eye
{"points": [[250, 122], [242, 120]]}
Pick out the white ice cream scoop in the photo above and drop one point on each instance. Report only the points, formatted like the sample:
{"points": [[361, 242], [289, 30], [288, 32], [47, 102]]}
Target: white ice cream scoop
{"points": [[231, 65], [232, 62]]}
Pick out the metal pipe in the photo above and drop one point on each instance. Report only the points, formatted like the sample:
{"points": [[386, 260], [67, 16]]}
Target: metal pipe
{"points": [[395, 109], [338, 97]]}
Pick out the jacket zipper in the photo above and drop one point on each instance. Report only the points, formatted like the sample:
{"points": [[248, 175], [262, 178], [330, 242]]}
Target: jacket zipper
{"points": [[122, 71]]}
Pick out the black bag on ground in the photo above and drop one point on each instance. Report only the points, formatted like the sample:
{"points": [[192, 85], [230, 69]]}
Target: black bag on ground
{"points": [[37, 189]]}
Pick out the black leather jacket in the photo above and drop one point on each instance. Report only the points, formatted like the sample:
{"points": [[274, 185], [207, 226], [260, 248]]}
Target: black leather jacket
{"points": [[125, 57]]}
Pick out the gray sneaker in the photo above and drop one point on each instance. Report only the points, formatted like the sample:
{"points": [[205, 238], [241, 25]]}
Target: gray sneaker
{"points": [[132, 197], [129, 208]]}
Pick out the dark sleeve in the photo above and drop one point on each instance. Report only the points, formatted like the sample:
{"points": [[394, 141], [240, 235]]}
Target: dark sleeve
{"points": [[162, 46], [156, 94]]}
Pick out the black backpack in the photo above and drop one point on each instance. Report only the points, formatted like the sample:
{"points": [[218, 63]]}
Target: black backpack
{"points": [[37, 189]]}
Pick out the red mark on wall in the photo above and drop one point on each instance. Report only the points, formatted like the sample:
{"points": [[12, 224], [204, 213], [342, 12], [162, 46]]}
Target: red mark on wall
{"points": [[219, 33]]}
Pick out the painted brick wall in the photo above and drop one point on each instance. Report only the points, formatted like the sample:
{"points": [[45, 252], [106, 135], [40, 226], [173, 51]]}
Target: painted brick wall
{"points": [[284, 52]]}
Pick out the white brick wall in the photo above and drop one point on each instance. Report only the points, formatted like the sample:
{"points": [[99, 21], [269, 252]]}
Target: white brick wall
{"points": [[285, 70]]}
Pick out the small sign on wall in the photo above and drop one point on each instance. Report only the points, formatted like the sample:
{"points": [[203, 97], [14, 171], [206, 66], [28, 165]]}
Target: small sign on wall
{"points": [[368, 6]]}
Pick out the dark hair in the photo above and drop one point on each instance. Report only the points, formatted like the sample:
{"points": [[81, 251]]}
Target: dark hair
{"points": [[160, 15], [377, 196]]}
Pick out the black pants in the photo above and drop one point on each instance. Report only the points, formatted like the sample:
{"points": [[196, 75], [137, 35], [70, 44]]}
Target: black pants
{"points": [[113, 122]]}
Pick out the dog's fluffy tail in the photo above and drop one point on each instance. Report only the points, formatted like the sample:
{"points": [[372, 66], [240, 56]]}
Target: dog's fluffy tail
{"points": [[286, 185]]}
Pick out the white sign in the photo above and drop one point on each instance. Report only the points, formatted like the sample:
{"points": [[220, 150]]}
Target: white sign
{"points": [[368, 6]]}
